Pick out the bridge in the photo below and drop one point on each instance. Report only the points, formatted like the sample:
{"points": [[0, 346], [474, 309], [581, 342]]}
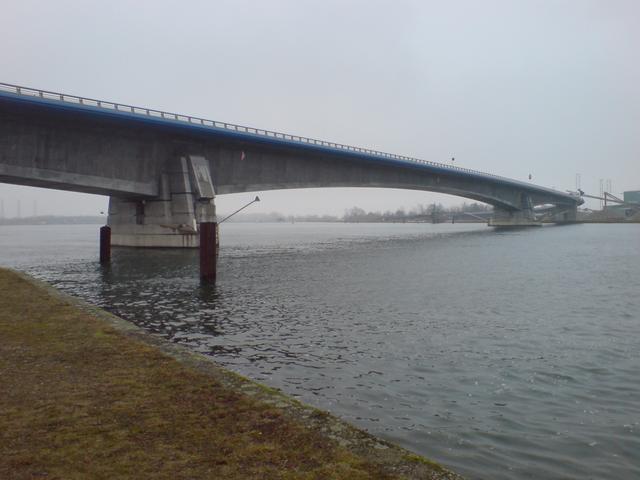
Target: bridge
{"points": [[162, 170]]}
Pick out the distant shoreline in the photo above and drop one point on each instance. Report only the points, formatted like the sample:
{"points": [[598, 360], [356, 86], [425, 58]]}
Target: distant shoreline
{"points": [[56, 220], [102, 220]]}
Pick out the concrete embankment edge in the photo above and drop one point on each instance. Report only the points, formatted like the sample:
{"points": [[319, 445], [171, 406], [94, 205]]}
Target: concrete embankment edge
{"points": [[392, 458]]}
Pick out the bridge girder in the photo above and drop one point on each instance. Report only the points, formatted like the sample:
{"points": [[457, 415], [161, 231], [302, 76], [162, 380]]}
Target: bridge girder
{"points": [[80, 149]]}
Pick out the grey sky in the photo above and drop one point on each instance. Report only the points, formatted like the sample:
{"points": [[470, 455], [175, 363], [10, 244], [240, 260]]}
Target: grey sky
{"points": [[550, 88]]}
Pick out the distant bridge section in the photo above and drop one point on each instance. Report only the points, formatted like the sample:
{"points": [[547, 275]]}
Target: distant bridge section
{"points": [[154, 165]]}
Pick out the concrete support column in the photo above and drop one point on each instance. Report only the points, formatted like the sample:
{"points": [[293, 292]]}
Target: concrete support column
{"points": [[183, 215], [566, 215], [512, 218], [169, 220], [522, 217]]}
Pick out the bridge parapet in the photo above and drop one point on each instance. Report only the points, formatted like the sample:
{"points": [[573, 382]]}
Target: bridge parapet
{"points": [[121, 108]]}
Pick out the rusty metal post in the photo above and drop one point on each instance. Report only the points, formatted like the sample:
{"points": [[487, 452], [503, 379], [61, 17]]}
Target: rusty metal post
{"points": [[105, 244], [208, 251]]}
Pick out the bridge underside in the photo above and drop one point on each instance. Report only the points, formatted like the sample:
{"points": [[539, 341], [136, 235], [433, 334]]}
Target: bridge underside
{"points": [[171, 219], [147, 171]]}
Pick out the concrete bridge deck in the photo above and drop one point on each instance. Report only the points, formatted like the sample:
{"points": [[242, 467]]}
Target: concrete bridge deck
{"points": [[140, 156]]}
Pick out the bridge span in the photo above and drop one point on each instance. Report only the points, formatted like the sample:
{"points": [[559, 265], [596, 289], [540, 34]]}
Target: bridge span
{"points": [[162, 170]]}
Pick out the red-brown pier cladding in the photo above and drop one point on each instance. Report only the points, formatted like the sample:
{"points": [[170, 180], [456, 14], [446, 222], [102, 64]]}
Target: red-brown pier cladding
{"points": [[208, 251], [105, 244]]}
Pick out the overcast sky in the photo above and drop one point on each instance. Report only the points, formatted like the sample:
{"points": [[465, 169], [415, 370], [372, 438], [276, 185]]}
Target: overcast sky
{"points": [[550, 88]]}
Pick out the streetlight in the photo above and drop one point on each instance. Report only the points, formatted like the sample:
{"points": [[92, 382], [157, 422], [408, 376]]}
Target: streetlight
{"points": [[257, 199]]}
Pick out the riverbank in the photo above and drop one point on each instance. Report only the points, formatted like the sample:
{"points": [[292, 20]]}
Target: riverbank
{"points": [[88, 395]]}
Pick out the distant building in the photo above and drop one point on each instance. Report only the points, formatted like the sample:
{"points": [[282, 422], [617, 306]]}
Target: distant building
{"points": [[618, 212], [624, 211], [632, 197]]}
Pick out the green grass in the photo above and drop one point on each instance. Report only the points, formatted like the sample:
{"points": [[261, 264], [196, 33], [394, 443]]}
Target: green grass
{"points": [[80, 400], [411, 457]]}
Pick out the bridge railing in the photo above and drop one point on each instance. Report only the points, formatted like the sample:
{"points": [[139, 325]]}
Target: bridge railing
{"points": [[149, 112]]}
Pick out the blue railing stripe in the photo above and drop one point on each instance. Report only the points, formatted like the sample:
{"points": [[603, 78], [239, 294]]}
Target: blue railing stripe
{"points": [[233, 130]]}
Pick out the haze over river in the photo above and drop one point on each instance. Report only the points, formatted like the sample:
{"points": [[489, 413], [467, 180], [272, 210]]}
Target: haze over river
{"points": [[503, 355]]}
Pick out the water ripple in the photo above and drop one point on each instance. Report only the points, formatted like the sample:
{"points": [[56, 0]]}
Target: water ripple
{"points": [[504, 356]]}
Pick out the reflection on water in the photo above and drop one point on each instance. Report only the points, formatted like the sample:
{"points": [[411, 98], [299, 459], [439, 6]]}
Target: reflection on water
{"points": [[501, 354]]}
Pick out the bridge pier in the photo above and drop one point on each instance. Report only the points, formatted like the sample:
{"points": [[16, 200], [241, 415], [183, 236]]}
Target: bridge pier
{"points": [[184, 214], [171, 219], [566, 215], [505, 218], [523, 217], [208, 251], [105, 245], [208, 227]]}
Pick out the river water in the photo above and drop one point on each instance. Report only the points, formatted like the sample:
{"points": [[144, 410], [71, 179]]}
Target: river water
{"points": [[503, 355]]}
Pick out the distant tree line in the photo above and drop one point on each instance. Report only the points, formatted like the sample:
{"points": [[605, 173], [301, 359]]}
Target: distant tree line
{"points": [[55, 220], [434, 212]]}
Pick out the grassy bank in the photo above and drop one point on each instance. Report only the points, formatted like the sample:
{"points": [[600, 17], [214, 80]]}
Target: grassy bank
{"points": [[80, 397]]}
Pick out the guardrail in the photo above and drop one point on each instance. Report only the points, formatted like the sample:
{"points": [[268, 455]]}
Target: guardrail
{"points": [[148, 112]]}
